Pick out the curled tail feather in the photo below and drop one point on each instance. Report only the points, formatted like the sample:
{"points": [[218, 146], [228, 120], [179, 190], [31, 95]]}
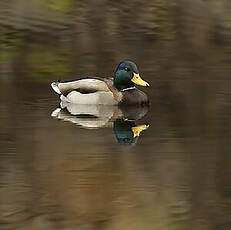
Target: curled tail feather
{"points": [[55, 87]]}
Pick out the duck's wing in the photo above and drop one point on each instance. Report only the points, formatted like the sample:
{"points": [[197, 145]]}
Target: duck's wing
{"points": [[85, 85]]}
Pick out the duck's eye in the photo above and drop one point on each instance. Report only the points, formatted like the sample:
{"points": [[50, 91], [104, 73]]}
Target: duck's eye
{"points": [[127, 69]]}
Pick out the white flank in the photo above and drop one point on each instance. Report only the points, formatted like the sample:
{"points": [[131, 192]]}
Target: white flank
{"points": [[97, 98], [64, 99]]}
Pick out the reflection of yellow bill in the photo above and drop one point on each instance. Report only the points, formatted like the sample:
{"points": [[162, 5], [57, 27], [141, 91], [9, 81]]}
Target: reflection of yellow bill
{"points": [[138, 129], [138, 80]]}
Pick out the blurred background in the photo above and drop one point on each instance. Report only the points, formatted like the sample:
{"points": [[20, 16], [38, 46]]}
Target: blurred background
{"points": [[59, 175]]}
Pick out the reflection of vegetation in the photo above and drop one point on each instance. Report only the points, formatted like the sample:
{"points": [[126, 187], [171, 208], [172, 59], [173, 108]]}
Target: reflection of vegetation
{"points": [[108, 31], [48, 59], [11, 44], [59, 5], [40, 58]]}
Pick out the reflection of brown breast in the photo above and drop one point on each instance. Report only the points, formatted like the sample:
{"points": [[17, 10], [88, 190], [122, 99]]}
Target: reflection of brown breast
{"points": [[134, 97]]}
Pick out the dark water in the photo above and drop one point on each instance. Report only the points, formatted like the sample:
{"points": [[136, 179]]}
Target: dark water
{"points": [[86, 167]]}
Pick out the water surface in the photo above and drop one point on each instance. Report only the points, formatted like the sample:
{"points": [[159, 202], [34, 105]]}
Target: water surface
{"points": [[82, 167]]}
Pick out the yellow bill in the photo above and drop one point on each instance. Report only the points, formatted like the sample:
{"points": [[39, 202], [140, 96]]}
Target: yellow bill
{"points": [[138, 80], [138, 129]]}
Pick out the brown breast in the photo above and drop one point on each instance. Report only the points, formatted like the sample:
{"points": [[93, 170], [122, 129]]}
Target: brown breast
{"points": [[134, 97]]}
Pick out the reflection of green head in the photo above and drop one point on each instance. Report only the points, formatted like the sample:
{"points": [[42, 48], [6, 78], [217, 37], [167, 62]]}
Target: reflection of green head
{"points": [[123, 132], [127, 132]]}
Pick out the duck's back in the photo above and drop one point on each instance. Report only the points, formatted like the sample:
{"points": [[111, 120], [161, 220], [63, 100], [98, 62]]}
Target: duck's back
{"points": [[88, 91]]}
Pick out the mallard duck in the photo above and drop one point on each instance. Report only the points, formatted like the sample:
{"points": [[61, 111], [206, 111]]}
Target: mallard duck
{"points": [[94, 90]]}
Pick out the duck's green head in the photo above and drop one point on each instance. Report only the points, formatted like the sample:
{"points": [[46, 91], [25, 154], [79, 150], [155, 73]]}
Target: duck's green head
{"points": [[127, 75]]}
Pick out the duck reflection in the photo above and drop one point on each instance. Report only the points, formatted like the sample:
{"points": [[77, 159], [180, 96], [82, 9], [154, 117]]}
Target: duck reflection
{"points": [[127, 132], [121, 119]]}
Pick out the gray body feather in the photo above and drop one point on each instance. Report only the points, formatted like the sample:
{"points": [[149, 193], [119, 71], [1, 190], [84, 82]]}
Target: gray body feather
{"points": [[88, 91]]}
